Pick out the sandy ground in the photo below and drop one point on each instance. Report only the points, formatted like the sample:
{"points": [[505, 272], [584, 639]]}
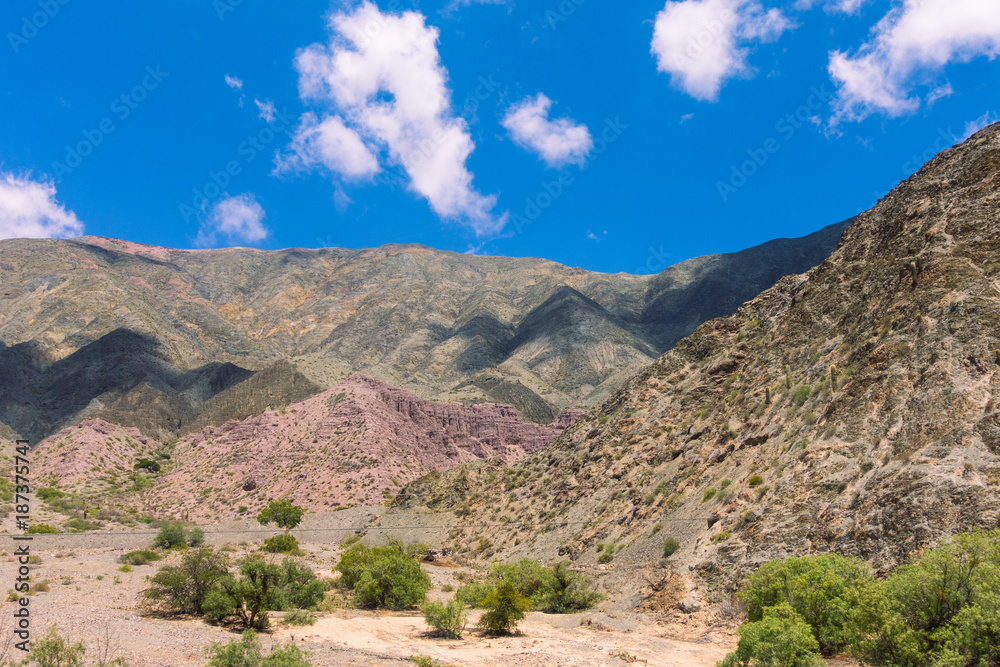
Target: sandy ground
{"points": [[92, 601]]}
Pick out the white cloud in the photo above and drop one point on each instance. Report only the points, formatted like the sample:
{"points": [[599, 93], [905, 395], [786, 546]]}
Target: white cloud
{"points": [[266, 109], [974, 126], [686, 117], [28, 209], [834, 6], [234, 83], [330, 144], [381, 79], [235, 219], [909, 48], [558, 142], [703, 43]]}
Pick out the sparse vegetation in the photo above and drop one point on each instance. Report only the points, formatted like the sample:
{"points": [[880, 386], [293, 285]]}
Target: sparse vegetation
{"points": [[184, 587], [670, 546], [505, 608], [141, 557], [248, 652], [281, 544], [41, 529]]}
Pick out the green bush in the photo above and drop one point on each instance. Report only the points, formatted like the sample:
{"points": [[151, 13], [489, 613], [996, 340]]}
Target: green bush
{"points": [[448, 618], [670, 546], [171, 534], [248, 652], [141, 557], [383, 577], [941, 610], [528, 577], [281, 544], [41, 529], [53, 651], [814, 586], [567, 591], [281, 513], [505, 608], [184, 587], [249, 598], [146, 464], [779, 639], [709, 494], [196, 537], [301, 588], [800, 395], [756, 480], [47, 494], [473, 594]]}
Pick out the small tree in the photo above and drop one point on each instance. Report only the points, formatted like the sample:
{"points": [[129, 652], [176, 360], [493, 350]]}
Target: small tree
{"points": [[282, 513], [184, 587], [248, 652], [568, 591], [383, 577], [505, 609], [250, 597]]}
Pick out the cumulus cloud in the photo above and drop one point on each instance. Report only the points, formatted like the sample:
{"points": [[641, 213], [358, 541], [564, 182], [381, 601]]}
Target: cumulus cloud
{"points": [[237, 85], [703, 43], [234, 220], [834, 6], [381, 88], [909, 48], [28, 209], [331, 144], [558, 142]]}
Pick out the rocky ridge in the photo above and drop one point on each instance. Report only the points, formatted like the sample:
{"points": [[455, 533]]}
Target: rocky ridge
{"points": [[850, 409]]}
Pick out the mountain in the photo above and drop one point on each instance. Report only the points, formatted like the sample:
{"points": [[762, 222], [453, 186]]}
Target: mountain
{"points": [[96, 324], [349, 445], [851, 409]]}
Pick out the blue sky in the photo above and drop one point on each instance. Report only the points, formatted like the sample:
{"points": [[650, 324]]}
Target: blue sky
{"points": [[610, 136]]}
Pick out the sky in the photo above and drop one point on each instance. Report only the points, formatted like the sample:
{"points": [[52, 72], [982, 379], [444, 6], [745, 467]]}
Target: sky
{"points": [[616, 137]]}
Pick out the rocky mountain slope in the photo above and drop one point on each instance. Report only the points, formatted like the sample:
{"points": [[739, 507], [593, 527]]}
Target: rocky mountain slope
{"points": [[350, 445], [850, 409], [162, 323]]}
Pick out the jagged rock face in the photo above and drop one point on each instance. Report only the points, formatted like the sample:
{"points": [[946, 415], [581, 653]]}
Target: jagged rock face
{"points": [[853, 408], [346, 446], [527, 332]]}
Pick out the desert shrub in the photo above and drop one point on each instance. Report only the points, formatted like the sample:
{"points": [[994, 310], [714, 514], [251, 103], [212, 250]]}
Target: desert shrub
{"points": [[814, 586], [185, 587], [670, 546], [281, 544], [248, 652], [941, 610], [299, 617], [605, 558], [383, 577], [125, 568], [41, 529], [54, 651], [779, 639], [301, 588], [473, 594], [448, 618], [48, 493], [248, 598], [800, 395], [80, 525], [505, 608], [756, 480], [528, 577], [282, 513], [141, 557], [567, 591], [146, 464], [171, 534], [709, 494], [196, 537]]}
